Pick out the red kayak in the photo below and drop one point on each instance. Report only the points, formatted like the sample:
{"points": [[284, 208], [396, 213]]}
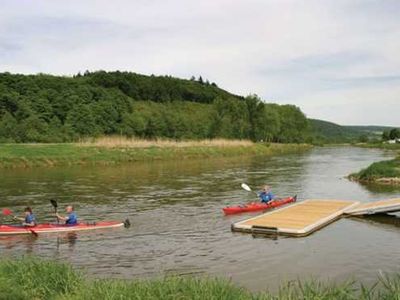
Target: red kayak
{"points": [[52, 228], [256, 206]]}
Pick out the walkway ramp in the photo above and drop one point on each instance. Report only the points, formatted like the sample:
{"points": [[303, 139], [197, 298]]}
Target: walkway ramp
{"points": [[296, 220], [376, 207]]}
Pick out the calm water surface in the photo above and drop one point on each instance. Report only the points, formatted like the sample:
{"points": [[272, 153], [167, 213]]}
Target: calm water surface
{"points": [[178, 226]]}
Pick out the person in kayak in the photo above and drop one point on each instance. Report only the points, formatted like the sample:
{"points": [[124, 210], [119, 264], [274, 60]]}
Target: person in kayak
{"points": [[71, 219], [30, 219], [266, 194]]}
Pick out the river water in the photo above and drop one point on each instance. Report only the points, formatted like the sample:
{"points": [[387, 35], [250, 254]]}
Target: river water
{"points": [[178, 226]]}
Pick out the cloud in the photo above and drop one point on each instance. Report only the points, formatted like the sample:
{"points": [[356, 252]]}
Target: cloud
{"points": [[315, 54]]}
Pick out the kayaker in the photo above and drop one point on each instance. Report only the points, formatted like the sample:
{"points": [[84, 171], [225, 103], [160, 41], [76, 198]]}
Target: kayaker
{"points": [[266, 194], [29, 220], [71, 219]]}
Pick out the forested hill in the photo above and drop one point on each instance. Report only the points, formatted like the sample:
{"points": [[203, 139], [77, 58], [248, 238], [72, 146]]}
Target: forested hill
{"points": [[371, 129], [46, 108], [328, 132]]}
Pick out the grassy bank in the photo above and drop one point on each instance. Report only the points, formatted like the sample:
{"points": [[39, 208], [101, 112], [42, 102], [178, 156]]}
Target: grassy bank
{"points": [[385, 172], [30, 278], [112, 151]]}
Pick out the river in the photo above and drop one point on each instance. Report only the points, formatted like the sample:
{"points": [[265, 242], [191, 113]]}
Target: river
{"points": [[178, 226]]}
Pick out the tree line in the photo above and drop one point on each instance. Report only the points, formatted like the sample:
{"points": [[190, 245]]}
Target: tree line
{"points": [[46, 108]]}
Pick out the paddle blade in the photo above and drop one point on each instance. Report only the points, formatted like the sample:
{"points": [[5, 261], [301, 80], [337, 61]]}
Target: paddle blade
{"points": [[54, 203], [246, 187], [34, 233], [127, 223], [7, 212]]}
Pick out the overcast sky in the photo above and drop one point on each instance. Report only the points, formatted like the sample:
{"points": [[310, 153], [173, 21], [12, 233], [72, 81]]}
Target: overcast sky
{"points": [[337, 60]]}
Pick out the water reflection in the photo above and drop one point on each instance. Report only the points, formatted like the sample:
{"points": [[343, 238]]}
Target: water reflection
{"points": [[391, 220], [68, 238], [27, 241], [381, 188]]}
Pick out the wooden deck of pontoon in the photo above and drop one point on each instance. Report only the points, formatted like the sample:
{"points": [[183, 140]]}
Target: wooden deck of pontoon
{"points": [[383, 206], [299, 219]]}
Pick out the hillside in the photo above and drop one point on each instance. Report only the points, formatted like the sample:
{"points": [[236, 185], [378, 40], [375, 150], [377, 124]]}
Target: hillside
{"points": [[47, 108], [370, 130], [329, 132]]}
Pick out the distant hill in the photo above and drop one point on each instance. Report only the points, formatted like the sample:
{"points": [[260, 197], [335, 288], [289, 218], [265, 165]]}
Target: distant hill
{"points": [[329, 132], [372, 129], [325, 131]]}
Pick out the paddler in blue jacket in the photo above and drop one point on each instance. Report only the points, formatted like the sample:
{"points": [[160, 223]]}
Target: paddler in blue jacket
{"points": [[71, 219], [29, 220], [266, 195]]}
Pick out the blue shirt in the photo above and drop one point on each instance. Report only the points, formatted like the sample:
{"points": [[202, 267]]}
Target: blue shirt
{"points": [[72, 219], [266, 196], [29, 219]]}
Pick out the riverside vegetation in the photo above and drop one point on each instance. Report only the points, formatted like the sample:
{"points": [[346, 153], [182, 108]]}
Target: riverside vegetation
{"points": [[385, 172], [382, 172], [53, 114], [33, 278], [116, 150]]}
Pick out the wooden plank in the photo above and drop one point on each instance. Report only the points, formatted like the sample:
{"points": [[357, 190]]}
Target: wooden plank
{"points": [[299, 219], [375, 207]]}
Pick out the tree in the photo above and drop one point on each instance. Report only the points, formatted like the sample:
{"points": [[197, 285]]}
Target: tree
{"points": [[33, 129], [294, 126], [133, 124], [8, 126], [386, 135], [394, 134], [81, 120], [272, 122], [256, 113]]}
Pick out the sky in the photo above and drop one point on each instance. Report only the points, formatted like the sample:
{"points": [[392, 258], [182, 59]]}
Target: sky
{"points": [[337, 60]]}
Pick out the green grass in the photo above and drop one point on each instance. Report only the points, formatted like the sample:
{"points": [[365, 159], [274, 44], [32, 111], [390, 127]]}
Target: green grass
{"points": [[31, 155], [387, 169], [33, 278], [386, 172]]}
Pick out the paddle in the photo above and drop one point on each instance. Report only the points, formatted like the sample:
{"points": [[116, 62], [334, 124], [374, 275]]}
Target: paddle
{"points": [[55, 205], [247, 188], [8, 212]]}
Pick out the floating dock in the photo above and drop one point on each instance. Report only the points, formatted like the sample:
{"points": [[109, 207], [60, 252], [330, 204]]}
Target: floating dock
{"points": [[376, 207], [297, 220]]}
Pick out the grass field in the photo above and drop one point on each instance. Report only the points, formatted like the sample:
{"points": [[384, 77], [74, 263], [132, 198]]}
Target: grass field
{"points": [[112, 151], [32, 278]]}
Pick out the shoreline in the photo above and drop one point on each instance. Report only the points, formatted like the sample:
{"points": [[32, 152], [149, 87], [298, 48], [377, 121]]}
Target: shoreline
{"points": [[69, 154]]}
